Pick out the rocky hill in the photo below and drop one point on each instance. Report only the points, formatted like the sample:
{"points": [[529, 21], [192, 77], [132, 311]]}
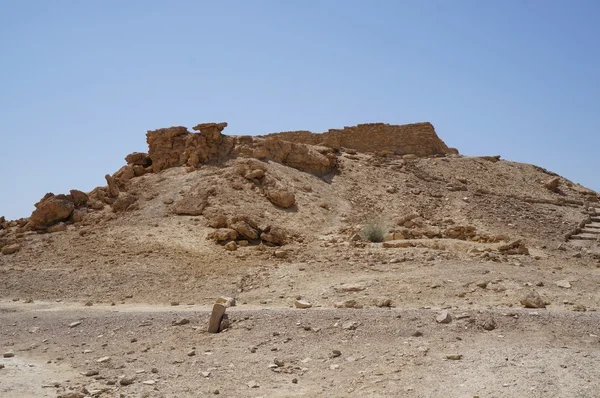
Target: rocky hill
{"points": [[194, 196], [324, 241]]}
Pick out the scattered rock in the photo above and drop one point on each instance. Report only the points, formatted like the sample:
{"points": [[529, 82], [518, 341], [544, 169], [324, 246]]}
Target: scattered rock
{"points": [[454, 357], [533, 300], [383, 302], [280, 254], [348, 304], [483, 284], [489, 324], [253, 384], [514, 247], [564, 284], [350, 287], [103, 359], [180, 322], [11, 249], [552, 184], [126, 381], [350, 325], [245, 230], [194, 202], [90, 373], [274, 235], [443, 317], [302, 304], [255, 174], [72, 394], [191, 353], [280, 197], [74, 324], [231, 246], [223, 235], [9, 354], [60, 227]]}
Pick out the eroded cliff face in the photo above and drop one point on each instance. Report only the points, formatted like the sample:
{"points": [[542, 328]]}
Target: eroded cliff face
{"points": [[419, 139]]}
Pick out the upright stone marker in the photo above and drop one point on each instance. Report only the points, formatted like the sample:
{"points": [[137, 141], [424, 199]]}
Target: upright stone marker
{"points": [[216, 316]]}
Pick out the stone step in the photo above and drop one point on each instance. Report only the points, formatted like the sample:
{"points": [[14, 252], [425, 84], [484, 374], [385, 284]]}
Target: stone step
{"points": [[593, 225], [585, 236], [586, 230], [596, 219]]}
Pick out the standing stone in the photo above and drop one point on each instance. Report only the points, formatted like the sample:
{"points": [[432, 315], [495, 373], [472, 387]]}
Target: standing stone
{"points": [[113, 189], [216, 316]]}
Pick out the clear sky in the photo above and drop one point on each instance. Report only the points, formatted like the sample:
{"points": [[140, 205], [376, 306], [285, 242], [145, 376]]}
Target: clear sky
{"points": [[82, 81]]}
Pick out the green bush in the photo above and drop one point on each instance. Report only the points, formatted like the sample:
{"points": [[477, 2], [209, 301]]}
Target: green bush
{"points": [[373, 231]]}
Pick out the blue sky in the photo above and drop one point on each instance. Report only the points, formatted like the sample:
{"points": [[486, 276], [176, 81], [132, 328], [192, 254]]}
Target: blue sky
{"points": [[82, 81]]}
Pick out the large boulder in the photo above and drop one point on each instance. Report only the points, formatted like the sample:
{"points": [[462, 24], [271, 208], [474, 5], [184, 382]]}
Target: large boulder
{"points": [[223, 235], [194, 202], [51, 210], [274, 235], [245, 230], [552, 184], [280, 197], [79, 198], [10, 249], [124, 202], [124, 174], [138, 159]]}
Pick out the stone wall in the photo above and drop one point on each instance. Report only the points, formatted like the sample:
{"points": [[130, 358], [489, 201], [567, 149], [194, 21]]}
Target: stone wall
{"points": [[418, 138]]}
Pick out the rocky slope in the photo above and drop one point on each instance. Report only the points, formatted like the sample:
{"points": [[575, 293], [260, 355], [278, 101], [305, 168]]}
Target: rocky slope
{"points": [[196, 196]]}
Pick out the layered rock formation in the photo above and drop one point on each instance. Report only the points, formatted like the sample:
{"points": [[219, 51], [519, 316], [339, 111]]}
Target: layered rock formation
{"points": [[419, 139], [176, 146]]}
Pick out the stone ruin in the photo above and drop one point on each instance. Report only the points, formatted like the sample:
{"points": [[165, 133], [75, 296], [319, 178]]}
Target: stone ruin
{"points": [[410, 139]]}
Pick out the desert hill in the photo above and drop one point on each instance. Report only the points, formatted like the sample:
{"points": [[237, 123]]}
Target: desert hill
{"points": [[296, 215], [179, 205]]}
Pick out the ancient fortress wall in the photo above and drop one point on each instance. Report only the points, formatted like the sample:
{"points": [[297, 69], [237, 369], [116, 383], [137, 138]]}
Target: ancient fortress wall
{"points": [[418, 138]]}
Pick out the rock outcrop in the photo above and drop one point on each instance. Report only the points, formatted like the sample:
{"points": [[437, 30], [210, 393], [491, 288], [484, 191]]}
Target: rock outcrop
{"points": [[176, 146]]}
